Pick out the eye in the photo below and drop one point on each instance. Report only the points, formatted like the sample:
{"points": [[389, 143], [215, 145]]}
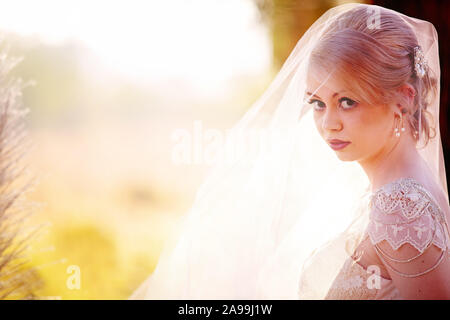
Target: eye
{"points": [[347, 103], [317, 104]]}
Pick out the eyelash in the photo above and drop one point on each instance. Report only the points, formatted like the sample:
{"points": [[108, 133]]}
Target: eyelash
{"points": [[354, 103]]}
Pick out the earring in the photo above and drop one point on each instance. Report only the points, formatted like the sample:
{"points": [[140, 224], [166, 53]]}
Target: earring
{"points": [[396, 130]]}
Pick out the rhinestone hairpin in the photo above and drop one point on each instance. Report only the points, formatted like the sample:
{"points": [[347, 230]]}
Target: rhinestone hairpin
{"points": [[420, 64]]}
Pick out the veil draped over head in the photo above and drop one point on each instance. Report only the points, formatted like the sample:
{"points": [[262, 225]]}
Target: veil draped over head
{"points": [[278, 194]]}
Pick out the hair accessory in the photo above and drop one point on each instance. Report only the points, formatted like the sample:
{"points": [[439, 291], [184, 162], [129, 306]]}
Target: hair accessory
{"points": [[420, 64]]}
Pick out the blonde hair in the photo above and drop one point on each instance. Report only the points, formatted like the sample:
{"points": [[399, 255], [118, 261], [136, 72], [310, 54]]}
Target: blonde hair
{"points": [[376, 61]]}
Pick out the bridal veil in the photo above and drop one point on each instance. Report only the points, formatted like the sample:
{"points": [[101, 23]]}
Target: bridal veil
{"points": [[277, 193]]}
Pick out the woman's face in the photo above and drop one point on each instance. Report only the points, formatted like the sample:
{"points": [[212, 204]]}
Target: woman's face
{"points": [[339, 115]]}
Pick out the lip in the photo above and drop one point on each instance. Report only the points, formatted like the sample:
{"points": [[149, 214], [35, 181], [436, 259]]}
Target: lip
{"points": [[338, 144]]}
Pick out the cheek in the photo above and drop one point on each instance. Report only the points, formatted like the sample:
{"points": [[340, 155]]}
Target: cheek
{"points": [[371, 130], [365, 129]]}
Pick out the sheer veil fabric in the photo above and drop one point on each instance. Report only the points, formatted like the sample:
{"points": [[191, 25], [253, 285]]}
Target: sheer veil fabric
{"points": [[278, 194]]}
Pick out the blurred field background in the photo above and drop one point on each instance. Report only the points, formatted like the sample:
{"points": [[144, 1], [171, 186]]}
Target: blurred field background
{"points": [[112, 82]]}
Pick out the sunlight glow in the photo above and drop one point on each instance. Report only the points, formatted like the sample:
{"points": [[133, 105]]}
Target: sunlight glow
{"points": [[204, 42]]}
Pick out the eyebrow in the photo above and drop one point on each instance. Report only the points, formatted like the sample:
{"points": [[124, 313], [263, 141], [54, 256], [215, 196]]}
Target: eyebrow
{"points": [[334, 94], [310, 94]]}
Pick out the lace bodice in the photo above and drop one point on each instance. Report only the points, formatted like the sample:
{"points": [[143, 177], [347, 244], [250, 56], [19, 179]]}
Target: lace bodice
{"points": [[402, 211], [355, 283]]}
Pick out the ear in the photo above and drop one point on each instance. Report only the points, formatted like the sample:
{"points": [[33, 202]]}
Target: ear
{"points": [[407, 93]]}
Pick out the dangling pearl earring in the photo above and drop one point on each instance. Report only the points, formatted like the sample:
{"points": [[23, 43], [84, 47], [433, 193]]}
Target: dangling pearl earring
{"points": [[403, 112], [396, 130]]}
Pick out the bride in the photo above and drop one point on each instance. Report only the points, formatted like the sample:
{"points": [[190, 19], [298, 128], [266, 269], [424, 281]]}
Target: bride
{"points": [[343, 192]]}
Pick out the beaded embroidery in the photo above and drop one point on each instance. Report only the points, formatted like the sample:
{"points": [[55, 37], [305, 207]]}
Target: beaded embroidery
{"points": [[404, 212]]}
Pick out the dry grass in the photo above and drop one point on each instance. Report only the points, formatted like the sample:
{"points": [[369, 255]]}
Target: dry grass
{"points": [[18, 280]]}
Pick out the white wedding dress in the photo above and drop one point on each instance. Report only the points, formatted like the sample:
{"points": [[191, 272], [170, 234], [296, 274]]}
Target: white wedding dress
{"points": [[402, 211]]}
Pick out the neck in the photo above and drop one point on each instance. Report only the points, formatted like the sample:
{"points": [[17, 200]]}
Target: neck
{"points": [[398, 159]]}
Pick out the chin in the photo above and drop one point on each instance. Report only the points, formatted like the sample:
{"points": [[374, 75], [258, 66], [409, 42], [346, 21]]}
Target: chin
{"points": [[346, 159], [345, 156]]}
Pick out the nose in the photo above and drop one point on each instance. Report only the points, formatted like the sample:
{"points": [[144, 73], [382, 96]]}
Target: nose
{"points": [[331, 121]]}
